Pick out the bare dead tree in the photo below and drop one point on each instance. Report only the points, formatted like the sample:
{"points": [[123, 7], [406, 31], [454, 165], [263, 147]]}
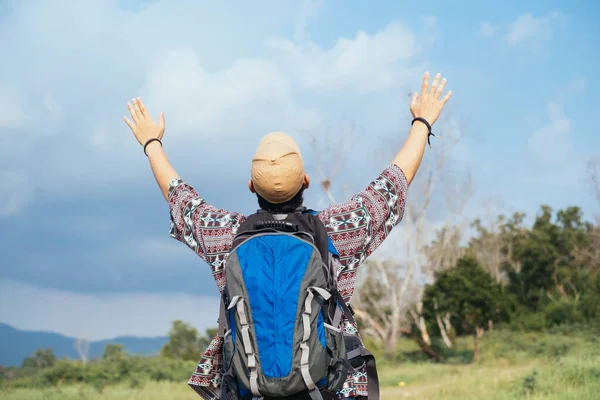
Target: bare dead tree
{"points": [[327, 147], [444, 325], [491, 243], [590, 255], [442, 252], [379, 294], [594, 176], [402, 279], [493, 246], [83, 347]]}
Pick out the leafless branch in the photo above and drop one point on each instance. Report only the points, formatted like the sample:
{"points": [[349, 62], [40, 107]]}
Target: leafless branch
{"points": [[83, 347], [594, 175], [329, 146]]}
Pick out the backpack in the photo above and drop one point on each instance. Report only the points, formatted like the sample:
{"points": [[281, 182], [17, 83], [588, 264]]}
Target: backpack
{"points": [[281, 313]]}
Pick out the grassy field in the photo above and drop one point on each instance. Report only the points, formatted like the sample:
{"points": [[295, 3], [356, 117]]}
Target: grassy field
{"points": [[514, 366]]}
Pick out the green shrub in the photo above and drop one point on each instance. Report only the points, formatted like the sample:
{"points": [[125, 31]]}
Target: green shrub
{"points": [[563, 312]]}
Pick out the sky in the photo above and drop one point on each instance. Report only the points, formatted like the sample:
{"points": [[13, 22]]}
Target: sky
{"points": [[84, 244]]}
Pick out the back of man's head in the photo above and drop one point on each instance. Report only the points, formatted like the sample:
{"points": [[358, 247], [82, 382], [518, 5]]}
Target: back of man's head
{"points": [[277, 172]]}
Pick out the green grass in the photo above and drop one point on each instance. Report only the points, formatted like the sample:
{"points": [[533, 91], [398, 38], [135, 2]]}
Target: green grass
{"points": [[563, 365], [513, 366], [148, 391]]}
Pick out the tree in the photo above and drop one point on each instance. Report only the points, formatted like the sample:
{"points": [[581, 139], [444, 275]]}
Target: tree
{"points": [[114, 352], [494, 243], [378, 294], [443, 253], [586, 254], [548, 267], [489, 245], [590, 255], [468, 293], [83, 348], [42, 358], [185, 343], [425, 250], [402, 278]]}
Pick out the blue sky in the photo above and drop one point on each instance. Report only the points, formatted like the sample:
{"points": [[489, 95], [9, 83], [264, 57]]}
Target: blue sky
{"points": [[84, 231]]}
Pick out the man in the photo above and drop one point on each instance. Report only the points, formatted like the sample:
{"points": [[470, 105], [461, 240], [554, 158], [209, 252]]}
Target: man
{"points": [[356, 227]]}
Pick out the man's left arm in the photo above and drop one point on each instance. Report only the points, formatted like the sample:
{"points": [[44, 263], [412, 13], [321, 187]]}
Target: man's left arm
{"points": [[360, 225]]}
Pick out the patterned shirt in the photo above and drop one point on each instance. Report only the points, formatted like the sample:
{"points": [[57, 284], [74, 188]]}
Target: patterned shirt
{"points": [[356, 228]]}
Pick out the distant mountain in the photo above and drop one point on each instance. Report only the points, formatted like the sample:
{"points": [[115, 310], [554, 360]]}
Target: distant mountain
{"points": [[16, 344]]}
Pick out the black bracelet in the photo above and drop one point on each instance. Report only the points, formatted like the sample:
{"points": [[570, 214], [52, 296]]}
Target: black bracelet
{"points": [[429, 134], [150, 141]]}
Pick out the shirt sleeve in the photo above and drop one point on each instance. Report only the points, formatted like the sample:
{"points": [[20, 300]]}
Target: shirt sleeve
{"points": [[359, 226], [205, 229]]}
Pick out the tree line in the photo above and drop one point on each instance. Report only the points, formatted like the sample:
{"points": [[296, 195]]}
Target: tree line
{"points": [[175, 363], [507, 275]]}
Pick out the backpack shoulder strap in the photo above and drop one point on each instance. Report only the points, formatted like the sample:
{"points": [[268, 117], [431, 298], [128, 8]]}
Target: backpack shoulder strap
{"points": [[330, 246], [360, 351]]}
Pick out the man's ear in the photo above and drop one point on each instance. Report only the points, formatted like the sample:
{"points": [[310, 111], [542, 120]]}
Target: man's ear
{"points": [[251, 186], [306, 181]]}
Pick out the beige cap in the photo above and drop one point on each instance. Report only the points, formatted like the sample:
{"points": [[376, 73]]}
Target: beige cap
{"points": [[277, 168]]}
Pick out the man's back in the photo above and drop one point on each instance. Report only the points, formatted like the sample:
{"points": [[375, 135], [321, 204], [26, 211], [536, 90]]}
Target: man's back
{"points": [[356, 228]]}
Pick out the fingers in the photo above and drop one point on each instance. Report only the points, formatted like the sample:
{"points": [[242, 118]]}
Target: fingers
{"points": [[440, 88], [129, 123], [133, 113], [425, 85], [136, 108], [161, 120], [413, 101], [435, 83], [142, 106], [446, 97]]}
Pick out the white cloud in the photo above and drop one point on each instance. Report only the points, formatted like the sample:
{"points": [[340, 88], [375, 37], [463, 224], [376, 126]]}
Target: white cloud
{"points": [[216, 72], [102, 316], [487, 29], [366, 63], [551, 145], [196, 100], [529, 28]]}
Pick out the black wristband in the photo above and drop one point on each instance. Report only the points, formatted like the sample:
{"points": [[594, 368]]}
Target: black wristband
{"points": [[428, 125], [150, 141]]}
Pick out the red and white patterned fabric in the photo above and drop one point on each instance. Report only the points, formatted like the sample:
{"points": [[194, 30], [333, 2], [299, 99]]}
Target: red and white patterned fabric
{"points": [[356, 227]]}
